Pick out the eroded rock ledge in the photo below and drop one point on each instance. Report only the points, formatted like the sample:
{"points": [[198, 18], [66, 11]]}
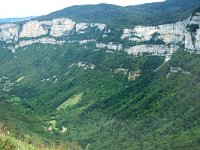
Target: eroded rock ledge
{"points": [[170, 36]]}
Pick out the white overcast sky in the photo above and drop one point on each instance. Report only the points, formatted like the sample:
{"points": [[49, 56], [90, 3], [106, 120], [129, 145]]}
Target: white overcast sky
{"points": [[23, 8]]}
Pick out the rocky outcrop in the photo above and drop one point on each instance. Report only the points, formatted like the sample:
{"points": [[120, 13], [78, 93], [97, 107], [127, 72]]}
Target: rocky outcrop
{"points": [[188, 41], [132, 75], [56, 27], [99, 26], [43, 40], [34, 31], [110, 46], [159, 50], [9, 33], [81, 27], [48, 32], [177, 70], [83, 65], [169, 33], [61, 27], [197, 40], [173, 34], [192, 38], [86, 41], [152, 50]]}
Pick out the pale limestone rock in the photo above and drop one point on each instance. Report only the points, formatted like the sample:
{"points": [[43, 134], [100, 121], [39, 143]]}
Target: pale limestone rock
{"points": [[9, 32], [81, 27], [121, 70], [197, 40], [13, 50], [86, 41], [195, 19], [99, 26], [43, 40], [83, 65], [134, 74], [169, 33], [56, 27], [172, 33], [110, 46], [170, 53], [158, 50], [61, 27], [192, 40], [33, 29], [188, 41]]}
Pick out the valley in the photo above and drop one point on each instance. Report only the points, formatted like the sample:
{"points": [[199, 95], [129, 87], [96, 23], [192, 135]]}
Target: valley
{"points": [[75, 83]]}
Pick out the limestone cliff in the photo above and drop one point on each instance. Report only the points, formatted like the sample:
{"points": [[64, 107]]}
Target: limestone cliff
{"points": [[185, 32], [44, 32], [9, 33]]}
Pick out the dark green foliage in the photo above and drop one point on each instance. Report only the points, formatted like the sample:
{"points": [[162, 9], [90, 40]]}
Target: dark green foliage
{"points": [[193, 27], [152, 112], [21, 121], [195, 11], [161, 111], [115, 16]]}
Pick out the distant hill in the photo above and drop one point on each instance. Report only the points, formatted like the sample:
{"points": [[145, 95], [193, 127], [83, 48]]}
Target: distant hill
{"points": [[5, 20], [146, 14]]}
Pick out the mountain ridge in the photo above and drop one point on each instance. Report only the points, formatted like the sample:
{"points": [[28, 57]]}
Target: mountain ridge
{"points": [[49, 32], [126, 15]]}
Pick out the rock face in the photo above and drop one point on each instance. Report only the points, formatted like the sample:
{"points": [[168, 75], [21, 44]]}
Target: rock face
{"points": [[158, 50], [47, 32], [186, 31], [44, 32], [83, 65], [61, 26], [192, 39], [56, 27], [169, 33], [9, 32], [197, 41], [43, 40], [110, 46], [33, 29], [80, 27]]}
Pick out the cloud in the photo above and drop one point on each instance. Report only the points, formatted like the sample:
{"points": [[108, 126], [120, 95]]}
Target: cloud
{"points": [[23, 8]]}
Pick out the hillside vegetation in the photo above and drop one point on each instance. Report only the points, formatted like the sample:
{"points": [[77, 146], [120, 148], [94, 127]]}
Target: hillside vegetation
{"points": [[80, 96], [115, 16], [160, 108]]}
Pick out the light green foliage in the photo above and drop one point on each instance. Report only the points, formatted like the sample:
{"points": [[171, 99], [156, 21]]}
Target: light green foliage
{"points": [[71, 101]]}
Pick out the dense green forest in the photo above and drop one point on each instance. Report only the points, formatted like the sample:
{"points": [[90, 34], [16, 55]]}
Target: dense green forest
{"points": [[116, 16], [104, 107]]}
